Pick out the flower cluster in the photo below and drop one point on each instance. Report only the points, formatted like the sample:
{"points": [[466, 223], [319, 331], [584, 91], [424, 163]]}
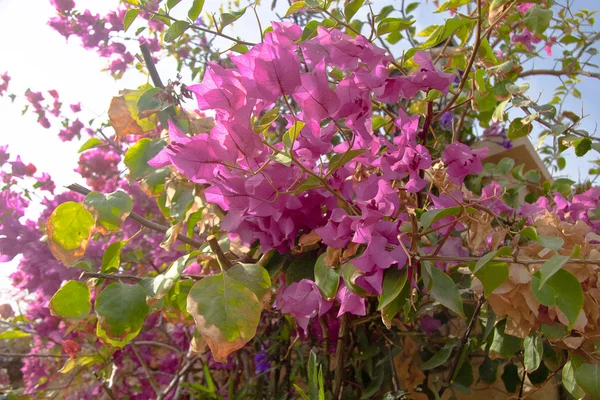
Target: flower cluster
{"points": [[346, 207]]}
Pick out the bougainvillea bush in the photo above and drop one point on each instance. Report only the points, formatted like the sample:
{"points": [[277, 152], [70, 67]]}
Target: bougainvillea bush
{"points": [[312, 215]]}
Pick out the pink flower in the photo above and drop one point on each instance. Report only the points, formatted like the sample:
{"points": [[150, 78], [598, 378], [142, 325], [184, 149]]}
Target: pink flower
{"points": [[524, 7], [63, 5], [220, 90], [75, 107], [350, 302], [462, 161], [316, 99], [303, 301]]}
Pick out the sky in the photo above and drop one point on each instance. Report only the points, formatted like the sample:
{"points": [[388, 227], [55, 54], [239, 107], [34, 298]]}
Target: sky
{"points": [[37, 57]]}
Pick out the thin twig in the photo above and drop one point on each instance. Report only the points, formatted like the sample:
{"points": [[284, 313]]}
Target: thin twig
{"points": [[461, 347], [469, 64], [146, 370], [216, 248], [32, 355], [339, 359]]}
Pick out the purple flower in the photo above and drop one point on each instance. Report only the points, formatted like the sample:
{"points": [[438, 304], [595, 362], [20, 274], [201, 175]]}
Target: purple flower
{"points": [[447, 121], [303, 301], [261, 362], [462, 161]]}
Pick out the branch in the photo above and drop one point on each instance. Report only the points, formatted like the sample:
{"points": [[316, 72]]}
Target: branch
{"points": [[216, 248], [175, 381], [339, 359], [151, 66], [141, 220], [559, 73], [504, 259], [469, 64], [146, 370], [33, 355], [461, 347]]}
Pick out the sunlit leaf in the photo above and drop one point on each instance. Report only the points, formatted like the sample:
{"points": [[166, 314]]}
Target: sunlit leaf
{"points": [[71, 301], [226, 313], [69, 230]]}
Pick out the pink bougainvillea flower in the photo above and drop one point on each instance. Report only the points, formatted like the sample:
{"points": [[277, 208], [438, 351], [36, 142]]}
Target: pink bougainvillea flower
{"points": [[491, 197], [197, 157], [425, 78], [462, 161], [314, 96], [350, 302], [302, 300], [220, 90], [524, 7], [526, 37]]}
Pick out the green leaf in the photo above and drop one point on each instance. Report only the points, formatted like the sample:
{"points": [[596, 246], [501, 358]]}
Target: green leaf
{"points": [[587, 377], [393, 283], [338, 160], [151, 102], [551, 267], [554, 331], [411, 7], [172, 3], [582, 146], [175, 30], [129, 17], [91, 143], [443, 32], [300, 268], [181, 201], [349, 274], [388, 25], [443, 288], [309, 31], [517, 89], [158, 286], [562, 290], [451, 4], [282, 158], [352, 8], [195, 10], [395, 306], [80, 361], [69, 230], [254, 277], [492, 275], [516, 129], [327, 279], [504, 344], [568, 381], [269, 117], [109, 210], [230, 17], [72, 301], [138, 155], [295, 7], [309, 183], [506, 165], [121, 309], [511, 377], [440, 357], [14, 334], [430, 217], [538, 19], [502, 251], [498, 114], [488, 370], [289, 137], [226, 313], [533, 346]]}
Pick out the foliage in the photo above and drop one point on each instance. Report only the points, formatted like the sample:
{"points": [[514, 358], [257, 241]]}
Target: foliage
{"points": [[318, 211]]}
